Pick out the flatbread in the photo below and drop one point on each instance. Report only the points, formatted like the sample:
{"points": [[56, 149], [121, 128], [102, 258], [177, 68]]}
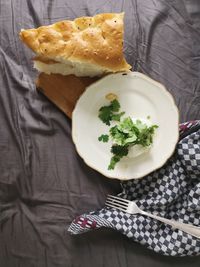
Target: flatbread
{"points": [[91, 44]]}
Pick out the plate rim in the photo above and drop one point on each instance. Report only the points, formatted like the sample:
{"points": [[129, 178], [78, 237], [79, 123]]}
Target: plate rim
{"points": [[147, 78]]}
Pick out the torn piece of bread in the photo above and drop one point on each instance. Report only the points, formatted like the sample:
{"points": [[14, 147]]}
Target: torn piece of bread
{"points": [[87, 46]]}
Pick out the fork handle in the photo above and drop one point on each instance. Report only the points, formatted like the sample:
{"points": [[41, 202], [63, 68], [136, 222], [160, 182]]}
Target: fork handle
{"points": [[187, 228]]}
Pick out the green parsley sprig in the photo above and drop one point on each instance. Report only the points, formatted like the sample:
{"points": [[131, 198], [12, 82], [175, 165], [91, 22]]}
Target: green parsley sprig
{"points": [[125, 133], [110, 113], [104, 138]]}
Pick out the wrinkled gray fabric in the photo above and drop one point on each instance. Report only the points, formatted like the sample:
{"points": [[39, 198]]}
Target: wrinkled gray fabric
{"points": [[43, 182]]}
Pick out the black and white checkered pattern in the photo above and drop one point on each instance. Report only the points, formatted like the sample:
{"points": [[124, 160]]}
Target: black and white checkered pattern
{"points": [[172, 192]]}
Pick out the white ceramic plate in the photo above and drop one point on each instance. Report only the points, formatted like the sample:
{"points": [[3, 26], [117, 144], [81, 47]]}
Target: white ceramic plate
{"points": [[139, 97]]}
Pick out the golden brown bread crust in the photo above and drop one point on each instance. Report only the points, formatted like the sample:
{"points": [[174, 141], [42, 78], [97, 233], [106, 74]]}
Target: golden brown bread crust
{"points": [[45, 60], [96, 40]]}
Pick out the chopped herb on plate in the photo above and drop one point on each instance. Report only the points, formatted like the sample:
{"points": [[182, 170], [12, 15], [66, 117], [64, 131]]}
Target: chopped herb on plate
{"points": [[109, 113], [128, 132], [104, 138], [125, 134], [118, 152]]}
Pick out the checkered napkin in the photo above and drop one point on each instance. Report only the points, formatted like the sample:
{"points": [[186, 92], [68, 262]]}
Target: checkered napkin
{"points": [[173, 192]]}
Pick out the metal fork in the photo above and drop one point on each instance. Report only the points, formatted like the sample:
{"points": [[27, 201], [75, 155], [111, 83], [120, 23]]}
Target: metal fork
{"points": [[132, 208]]}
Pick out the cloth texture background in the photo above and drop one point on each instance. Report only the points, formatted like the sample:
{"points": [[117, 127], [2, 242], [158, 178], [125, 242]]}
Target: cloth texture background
{"points": [[44, 184]]}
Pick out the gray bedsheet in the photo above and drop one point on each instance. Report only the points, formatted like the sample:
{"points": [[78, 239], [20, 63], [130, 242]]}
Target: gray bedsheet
{"points": [[44, 184]]}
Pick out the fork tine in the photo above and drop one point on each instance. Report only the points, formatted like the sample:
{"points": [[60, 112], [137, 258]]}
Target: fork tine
{"points": [[113, 200], [118, 198], [111, 206], [115, 204]]}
